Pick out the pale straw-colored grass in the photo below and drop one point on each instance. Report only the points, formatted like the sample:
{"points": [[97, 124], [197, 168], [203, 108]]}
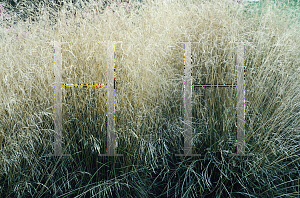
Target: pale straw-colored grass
{"points": [[149, 101]]}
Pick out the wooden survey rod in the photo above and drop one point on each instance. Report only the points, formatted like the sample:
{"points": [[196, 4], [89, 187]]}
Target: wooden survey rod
{"points": [[58, 100], [188, 135], [111, 140], [240, 75]]}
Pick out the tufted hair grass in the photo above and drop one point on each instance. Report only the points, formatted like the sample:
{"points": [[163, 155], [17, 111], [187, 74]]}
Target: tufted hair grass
{"points": [[149, 100]]}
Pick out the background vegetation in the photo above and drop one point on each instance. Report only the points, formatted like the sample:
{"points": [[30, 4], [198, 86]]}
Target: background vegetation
{"points": [[149, 99]]}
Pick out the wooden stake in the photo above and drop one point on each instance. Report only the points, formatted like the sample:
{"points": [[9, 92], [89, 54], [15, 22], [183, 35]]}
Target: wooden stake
{"points": [[188, 135], [58, 100], [240, 68], [111, 141]]}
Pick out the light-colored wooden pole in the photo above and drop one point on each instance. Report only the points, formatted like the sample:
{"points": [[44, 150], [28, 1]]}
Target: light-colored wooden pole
{"points": [[111, 140], [240, 68], [240, 107], [188, 135], [58, 100]]}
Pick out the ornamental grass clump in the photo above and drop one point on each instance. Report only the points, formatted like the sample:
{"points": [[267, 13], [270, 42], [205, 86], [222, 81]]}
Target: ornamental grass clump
{"points": [[149, 105]]}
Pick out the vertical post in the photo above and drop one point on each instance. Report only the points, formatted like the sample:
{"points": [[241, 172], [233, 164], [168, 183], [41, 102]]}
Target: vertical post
{"points": [[240, 107], [240, 68], [58, 100], [111, 141], [188, 135]]}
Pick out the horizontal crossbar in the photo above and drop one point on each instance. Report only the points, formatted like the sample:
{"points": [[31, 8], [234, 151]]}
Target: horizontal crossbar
{"points": [[84, 85], [102, 85], [214, 85], [187, 155], [243, 154], [114, 154]]}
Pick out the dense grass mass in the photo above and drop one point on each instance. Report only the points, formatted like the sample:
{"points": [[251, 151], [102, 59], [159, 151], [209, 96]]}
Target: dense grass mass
{"points": [[149, 68]]}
